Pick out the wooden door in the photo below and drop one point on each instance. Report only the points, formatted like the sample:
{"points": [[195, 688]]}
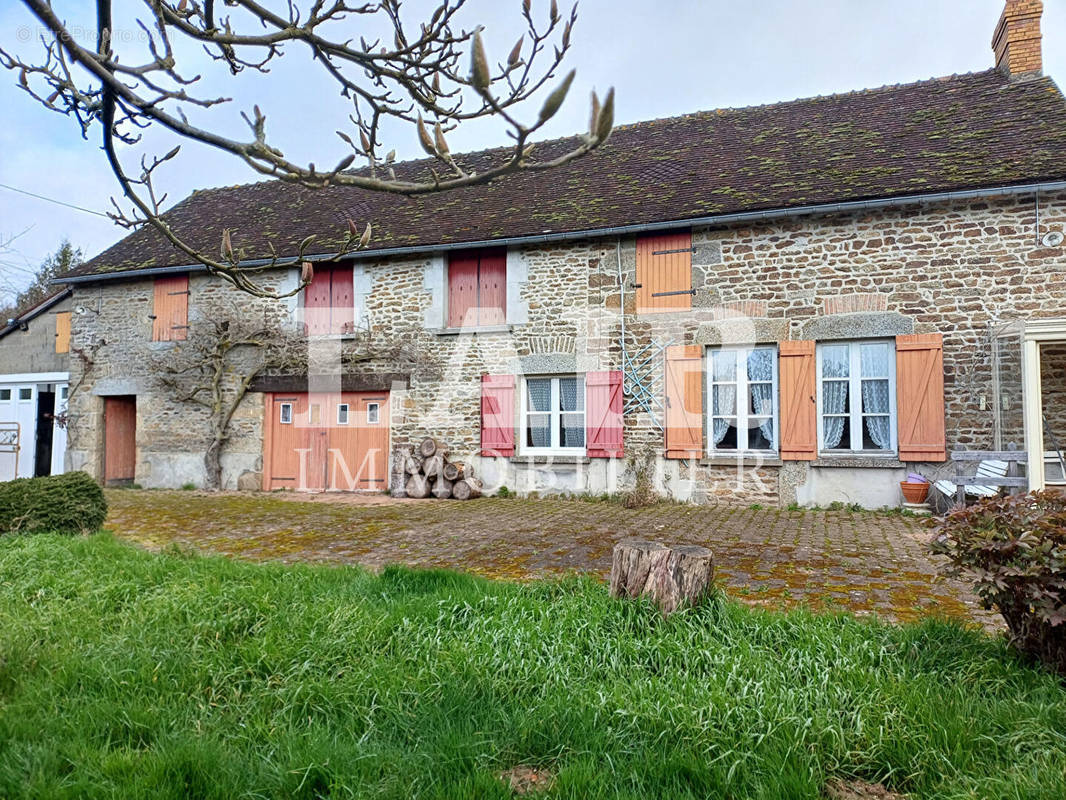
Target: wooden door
{"points": [[326, 441], [120, 439]]}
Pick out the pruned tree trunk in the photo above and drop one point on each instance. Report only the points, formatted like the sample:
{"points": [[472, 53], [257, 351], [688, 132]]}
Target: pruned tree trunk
{"points": [[669, 576], [417, 486], [428, 447], [442, 489], [213, 464], [466, 489], [453, 471]]}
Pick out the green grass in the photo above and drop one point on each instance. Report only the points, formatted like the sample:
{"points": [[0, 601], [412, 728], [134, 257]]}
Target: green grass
{"points": [[126, 675]]}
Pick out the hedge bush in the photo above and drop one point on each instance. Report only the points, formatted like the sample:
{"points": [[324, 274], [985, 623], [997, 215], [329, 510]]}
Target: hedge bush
{"points": [[1014, 550], [71, 503]]}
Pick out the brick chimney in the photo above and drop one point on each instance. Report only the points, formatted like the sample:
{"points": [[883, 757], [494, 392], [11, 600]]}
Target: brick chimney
{"points": [[1017, 42]]}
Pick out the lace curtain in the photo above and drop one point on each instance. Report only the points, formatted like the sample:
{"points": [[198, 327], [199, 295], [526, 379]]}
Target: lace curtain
{"points": [[725, 402], [875, 394], [835, 364], [539, 399], [761, 375]]}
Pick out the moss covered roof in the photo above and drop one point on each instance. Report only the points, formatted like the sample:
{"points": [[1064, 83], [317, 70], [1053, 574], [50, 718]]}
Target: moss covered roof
{"points": [[963, 132]]}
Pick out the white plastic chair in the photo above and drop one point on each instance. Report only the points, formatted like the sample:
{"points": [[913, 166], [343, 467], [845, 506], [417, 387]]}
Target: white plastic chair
{"points": [[985, 469]]}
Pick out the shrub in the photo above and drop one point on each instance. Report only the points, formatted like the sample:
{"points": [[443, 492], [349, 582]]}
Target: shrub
{"points": [[1014, 550], [71, 503]]}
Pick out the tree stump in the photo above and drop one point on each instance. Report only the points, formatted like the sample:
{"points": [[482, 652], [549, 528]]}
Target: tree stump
{"points": [[453, 471], [428, 447], [669, 576], [417, 486], [442, 489], [466, 489], [412, 464]]}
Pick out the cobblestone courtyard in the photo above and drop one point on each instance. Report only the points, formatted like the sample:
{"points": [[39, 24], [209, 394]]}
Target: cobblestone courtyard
{"points": [[862, 562]]}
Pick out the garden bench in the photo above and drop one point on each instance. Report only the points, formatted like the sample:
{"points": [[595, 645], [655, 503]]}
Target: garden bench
{"points": [[995, 468]]}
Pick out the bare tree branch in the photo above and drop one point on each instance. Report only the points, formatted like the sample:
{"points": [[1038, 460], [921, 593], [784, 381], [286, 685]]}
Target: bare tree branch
{"points": [[432, 76]]}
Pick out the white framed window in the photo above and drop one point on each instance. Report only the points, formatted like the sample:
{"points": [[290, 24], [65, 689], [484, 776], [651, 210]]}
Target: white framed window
{"points": [[26, 393], [743, 398], [857, 397], [5, 395], [553, 414], [342, 413], [286, 414], [373, 413], [64, 392]]}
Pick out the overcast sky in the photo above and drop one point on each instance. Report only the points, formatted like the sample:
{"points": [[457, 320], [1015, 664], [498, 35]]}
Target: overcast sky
{"points": [[665, 58]]}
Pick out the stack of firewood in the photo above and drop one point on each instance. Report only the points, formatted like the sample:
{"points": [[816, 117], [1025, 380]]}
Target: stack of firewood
{"points": [[430, 472]]}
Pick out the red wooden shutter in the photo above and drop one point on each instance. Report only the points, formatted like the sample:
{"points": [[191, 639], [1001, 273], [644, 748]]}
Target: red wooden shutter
{"points": [[170, 308], [462, 289], [920, 397], [603, 411], [664, 264], [341, 302], [799, 410], [497, 415], [684, 401], [317, 297], [492, 287]]}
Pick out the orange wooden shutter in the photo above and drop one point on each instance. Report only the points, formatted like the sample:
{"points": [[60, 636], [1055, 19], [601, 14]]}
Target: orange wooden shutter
{"points": [[318, 295], [492, 287], [603, 411], [799, 410], [63, 332], [497, 415], [920, 397], [684, 401], [171, 308], [462, 288], [664, 264], [341, 302]]}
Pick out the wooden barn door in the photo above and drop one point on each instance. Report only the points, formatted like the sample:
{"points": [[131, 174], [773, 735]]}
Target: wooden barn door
{"points": [[120, 439], [323, 441]]}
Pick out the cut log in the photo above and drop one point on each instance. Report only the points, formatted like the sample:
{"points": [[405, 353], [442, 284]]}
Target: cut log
{"points": [[428, 447], [454, 471], [442, 489], [433, 467], [412, 465], [466, 489], [417, 486], [669, 576]]}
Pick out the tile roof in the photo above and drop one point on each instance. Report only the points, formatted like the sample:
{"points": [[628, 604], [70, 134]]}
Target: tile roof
{"points": [[964, 132]]}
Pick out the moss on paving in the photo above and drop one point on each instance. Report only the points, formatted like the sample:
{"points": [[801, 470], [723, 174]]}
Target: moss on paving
{"points": [[861, 562]]}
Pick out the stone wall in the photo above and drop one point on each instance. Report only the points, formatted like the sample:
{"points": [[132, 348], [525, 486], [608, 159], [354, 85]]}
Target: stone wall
{"points": [[954, 269]]}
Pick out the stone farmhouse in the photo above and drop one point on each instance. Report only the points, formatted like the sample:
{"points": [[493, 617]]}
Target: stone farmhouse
{"points": [[34, 381], [793, 303]]}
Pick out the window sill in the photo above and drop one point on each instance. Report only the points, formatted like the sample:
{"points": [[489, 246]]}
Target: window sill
{"points": [[742, 459], [555, 459], [477, 329], [858, 460]]}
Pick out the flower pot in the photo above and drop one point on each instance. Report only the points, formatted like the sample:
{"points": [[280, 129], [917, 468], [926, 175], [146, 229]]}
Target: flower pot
{"points": [[914, 492]]}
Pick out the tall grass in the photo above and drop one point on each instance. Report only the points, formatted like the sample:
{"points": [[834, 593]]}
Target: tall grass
{"points": [[125, 674]]}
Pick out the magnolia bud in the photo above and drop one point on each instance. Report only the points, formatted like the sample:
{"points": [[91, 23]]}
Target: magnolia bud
{"points": [[364, 240], [438, 135], [423, 137], [479, 65], [516, 52], [227, 245], [605, 122], [556, 98], [307, 272]]}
